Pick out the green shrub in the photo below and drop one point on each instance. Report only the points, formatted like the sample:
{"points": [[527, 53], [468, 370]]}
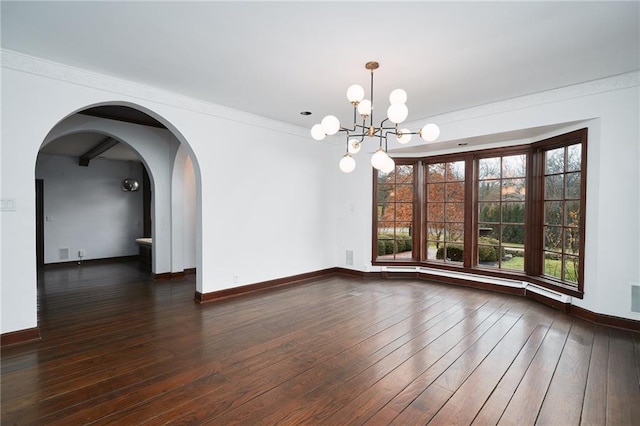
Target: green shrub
{"points": [[454, 252], [487, 254], [380, 247], [388, 247]]}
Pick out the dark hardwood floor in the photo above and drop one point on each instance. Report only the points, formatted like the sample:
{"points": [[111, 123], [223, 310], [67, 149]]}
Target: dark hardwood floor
{"points": [[120, 349]]}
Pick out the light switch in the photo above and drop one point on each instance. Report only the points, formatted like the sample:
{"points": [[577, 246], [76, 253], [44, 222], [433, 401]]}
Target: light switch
{"points": [[8, 205]]}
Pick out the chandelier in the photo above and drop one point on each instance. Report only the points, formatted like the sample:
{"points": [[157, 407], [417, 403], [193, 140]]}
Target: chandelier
{"points": [[396, 114]]}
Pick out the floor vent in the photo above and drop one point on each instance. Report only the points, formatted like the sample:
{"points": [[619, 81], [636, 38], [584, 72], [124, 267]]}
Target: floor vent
{"points": [[635, 298], [64, 253]]}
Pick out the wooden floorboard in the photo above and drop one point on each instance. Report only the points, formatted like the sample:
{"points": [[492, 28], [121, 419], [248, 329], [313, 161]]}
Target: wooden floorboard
{"points": [[118, 348]]}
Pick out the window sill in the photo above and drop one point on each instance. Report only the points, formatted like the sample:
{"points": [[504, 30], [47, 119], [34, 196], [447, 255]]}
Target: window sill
{"points": [[514, 276]]}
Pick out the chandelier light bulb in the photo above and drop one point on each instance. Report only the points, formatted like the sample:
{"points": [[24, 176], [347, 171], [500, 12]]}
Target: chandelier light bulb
{"points": [[379, 159], [364, 107], [430, 132], [404, 136], [397, 113], [347, 164], [330, 124], [317, 132], [388, 166], [355, 93], [354, 146], [398, 96]]}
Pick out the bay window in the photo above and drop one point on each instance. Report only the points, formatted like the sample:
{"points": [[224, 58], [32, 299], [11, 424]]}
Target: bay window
{"points": [[510, 212]]}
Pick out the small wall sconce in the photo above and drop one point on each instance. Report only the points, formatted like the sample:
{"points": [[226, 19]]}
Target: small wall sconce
{"points": [[130, 185]]}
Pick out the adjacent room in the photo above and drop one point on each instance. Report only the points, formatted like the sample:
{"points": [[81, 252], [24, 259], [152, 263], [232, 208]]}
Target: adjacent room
{"points": [[320, 212]]}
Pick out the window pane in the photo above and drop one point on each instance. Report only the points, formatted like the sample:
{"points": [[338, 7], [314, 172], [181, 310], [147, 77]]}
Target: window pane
{"points": [[455, 191], [554, 187], [454, 252], [404, 174], [552, 265], [488, 230], [571, 268], [384, 192], [435, 212], [573, 185], [572, 241], [513, 212], [384, 177], [513, 235], [554, 161], [572, 216], [454, 212], [435, 172], [553, 238], [488, 255], [513, 258], [432, 250], [454, 232], [435, 231], [386, 211], [574, 158], [489, 212], [489, 168], [513, 189], [385, 230], [514, 166], [489, 190], [435, 192], [455, 171], [403, 229], [553, 212]]}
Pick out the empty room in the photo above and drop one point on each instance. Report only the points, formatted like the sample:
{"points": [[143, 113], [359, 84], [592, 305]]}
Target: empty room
{"points": [[338, 213]]}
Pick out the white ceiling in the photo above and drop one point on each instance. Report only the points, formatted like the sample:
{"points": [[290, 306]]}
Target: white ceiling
{"points": [[277, 59]]}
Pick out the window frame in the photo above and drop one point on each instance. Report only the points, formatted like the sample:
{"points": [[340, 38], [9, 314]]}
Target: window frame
{"points": [[534, 213], [416, 231]]}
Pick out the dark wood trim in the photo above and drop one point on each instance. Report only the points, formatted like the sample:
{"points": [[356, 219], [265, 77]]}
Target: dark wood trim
{"points": [[168, 275], [603, 319], [190, 271], [119, 259], [567, 308], [264, 285], [103, 146], [20, 336], [124, 114]]}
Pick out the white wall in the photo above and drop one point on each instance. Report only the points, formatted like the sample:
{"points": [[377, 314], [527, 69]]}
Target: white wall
{"points": [[610, 108], [189, 215], [261, 186], [86, 209]]}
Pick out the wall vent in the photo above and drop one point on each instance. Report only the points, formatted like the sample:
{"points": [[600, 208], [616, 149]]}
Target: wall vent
{"points": [[635, 298], [349, 260], [63, 253]]}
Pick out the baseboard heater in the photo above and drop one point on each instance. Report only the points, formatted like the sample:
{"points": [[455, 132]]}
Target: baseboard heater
{"points": [[550, 294], [526, 286]]}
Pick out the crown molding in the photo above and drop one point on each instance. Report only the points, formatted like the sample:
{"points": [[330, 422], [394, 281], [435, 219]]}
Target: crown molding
{"points": [[575, 91], [56, 71]]}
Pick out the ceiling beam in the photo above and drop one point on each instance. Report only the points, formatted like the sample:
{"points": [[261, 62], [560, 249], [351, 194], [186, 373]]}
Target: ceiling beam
{"points": [[103, 146]]}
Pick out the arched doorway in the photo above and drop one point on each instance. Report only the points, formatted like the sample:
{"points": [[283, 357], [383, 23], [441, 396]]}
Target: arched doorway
{"points": [[127, 128]]}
